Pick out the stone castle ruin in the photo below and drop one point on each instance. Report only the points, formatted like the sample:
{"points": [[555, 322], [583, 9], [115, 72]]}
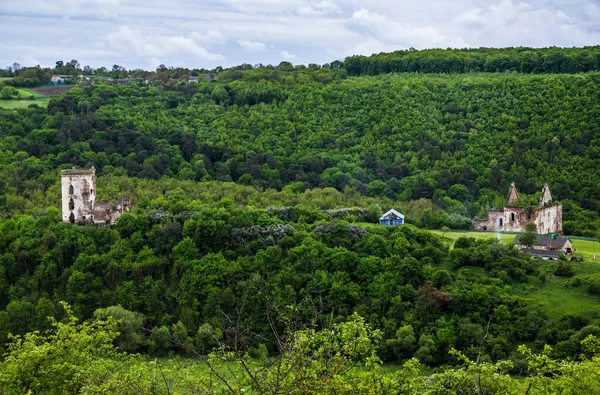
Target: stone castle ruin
{"points": [[547, 217], [78, 190]]}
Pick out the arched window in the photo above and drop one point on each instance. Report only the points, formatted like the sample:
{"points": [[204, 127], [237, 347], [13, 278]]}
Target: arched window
{"points": [[71, 205], [71, 190], [512, 217], [72, 218], [500, 222]]}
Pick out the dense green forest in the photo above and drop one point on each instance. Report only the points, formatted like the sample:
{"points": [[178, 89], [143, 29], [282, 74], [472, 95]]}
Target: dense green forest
{"points": [[182, 282], [253, 197], [520, 59], [237, 275], [457, 140]]}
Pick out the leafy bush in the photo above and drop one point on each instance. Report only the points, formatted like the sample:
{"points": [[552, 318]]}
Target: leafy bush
{"points": [[564, 269]]}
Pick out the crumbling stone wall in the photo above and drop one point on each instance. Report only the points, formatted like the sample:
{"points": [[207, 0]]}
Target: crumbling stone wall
{"points": [[78, 190], [493, 222], [515, 219], [547, 217]]}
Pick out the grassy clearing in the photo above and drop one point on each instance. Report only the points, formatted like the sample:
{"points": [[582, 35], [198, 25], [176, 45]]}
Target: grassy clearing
{"points": [[16, 104], [451, 237], [585, 247], [25, 92], [588, 249], [39, 99], [556, 296]]}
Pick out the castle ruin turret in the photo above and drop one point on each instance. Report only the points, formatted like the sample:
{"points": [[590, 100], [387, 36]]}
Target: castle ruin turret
{"points": [[78, 188], [546, 197], [78, 191], [547, 217]]}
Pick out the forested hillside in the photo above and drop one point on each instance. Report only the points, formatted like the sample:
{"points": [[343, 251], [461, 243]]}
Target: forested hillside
{"points": [[457, 140], [491, 60], [239, 274], [253, 198]]}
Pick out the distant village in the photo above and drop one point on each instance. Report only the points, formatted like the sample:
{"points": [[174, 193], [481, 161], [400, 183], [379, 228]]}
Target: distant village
{"points": [[88, 80]]}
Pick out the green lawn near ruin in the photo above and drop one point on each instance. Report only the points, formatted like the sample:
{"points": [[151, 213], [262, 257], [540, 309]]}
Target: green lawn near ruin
{"points": [[28, 97]]}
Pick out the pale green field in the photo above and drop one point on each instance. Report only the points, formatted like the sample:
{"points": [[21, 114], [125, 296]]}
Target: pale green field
{"points": [[16, 104], [28, 92], [555, 296], [451, 237], [40, 100], [585, 247]]}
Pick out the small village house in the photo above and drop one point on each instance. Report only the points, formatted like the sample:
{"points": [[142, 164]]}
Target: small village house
{"points": [[392, 218], [546, 247], [56, 80], [126, 80]]}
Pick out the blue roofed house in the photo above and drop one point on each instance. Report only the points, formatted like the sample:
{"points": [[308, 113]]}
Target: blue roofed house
{"points": [[56, 80], [392, 218]]}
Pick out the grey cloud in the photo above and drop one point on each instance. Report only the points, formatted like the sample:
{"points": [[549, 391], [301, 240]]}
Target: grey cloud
{"points": [[302, 7], [133, 41], [252, 46], [140, 33]]}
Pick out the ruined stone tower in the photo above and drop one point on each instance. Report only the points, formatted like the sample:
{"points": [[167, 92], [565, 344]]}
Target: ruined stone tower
{"points": [[78, 190], [513, 195], [546, 197], [547, 217]]}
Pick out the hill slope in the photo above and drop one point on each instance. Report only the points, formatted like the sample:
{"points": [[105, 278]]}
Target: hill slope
{"points": [[456, 139]]}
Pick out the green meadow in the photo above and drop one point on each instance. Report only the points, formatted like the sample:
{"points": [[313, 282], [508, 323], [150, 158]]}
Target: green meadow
{"points": [[587, 248], [556, 296], [26, 94]]}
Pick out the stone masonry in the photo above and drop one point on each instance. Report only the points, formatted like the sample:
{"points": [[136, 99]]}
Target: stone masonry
{"points": [[547, 217], [78, 190]]}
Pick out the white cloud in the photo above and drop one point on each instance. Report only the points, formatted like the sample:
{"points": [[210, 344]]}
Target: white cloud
{"points": [[381, 32], [210, 37], [252, 46], [153, 63], [509, 23], [302, 7], [136, 33], [135, 42], [318, 8], [366, 46], [288, 56]]}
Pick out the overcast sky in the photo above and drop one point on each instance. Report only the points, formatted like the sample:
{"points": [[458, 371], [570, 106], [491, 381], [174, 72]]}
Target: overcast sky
{"points": [[208, 33]]}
